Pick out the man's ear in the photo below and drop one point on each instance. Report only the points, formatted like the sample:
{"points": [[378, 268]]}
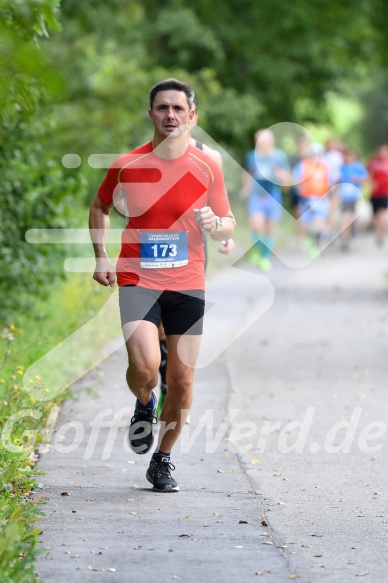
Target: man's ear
{"points": [[150, 115]]}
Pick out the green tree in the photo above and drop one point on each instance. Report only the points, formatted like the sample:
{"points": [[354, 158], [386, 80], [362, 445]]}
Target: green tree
{"points": [[283, 54], [35, 192], [374, 126]]}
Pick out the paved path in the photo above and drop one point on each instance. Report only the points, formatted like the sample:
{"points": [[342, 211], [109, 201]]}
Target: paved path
{"points": [[323, 345], [263, 513]]}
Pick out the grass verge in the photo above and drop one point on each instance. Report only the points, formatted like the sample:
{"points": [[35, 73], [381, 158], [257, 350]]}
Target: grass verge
{"points": [[24, 425]]}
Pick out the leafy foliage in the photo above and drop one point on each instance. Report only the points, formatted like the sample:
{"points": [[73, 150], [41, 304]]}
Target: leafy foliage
{"points": [[374, 125], [18, 542], [35, 192], [24, 71], [251, 64], [18, 514], [279, 54]]}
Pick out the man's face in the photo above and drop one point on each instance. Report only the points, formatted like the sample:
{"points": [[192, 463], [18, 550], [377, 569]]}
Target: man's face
{"points": [[170, 111], [265, 141], [383, 151]]}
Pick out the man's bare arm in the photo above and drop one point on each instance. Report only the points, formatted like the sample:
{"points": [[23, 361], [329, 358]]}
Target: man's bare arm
{"points": [[99, 226]]}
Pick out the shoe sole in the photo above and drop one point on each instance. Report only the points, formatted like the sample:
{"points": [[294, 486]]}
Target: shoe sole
{"points": [[176, 489], [135, 449]]}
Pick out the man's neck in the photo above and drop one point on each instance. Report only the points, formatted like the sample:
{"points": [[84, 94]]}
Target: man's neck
{"points": [[170, 148]]}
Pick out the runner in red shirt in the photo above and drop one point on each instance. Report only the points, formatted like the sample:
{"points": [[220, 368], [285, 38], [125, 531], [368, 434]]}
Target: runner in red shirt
{"points": [[173, 191], [378, 171]]}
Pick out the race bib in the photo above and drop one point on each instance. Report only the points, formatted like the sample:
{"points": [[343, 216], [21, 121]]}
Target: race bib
{"points": [[164, 250]]}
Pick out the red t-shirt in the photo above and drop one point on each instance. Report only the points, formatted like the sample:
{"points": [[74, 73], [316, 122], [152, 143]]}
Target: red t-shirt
{"points": [[315, 178], [378, 171], [162, 246]]}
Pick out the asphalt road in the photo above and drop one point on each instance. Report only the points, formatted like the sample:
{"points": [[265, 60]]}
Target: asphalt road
{"points": [[283, 468]]}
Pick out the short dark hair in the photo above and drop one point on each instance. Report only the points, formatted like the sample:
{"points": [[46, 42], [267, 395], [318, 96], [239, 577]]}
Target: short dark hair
{"points": [[175, 85]]}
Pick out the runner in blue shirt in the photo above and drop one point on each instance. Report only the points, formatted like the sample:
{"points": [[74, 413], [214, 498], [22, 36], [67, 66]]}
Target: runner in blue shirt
{"points": [[267, 169], [353, 174]]}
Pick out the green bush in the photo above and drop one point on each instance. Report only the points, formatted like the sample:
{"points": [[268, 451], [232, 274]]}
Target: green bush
{"points": [[35, 193], [18, 513]]}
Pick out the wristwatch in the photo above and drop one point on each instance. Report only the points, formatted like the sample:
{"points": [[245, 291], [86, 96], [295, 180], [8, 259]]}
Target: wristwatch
{"points": [[218, 225]]}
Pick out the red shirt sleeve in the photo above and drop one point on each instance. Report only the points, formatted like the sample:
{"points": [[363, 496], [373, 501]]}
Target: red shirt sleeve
{"points": [[107, 189]]}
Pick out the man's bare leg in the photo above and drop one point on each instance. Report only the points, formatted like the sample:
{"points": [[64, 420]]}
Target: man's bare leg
{"points": [[142, 342], [183, 352], [182, 355], [381, 225]]}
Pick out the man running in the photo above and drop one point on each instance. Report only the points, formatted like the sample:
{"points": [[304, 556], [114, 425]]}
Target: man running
{"points": [[267, 168], [378, 171], [226, 247], [312, 177], [173, 191], [353, 175]]}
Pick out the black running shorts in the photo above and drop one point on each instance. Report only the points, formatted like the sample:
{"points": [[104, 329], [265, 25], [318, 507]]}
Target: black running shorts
{"points": [[379, 203], [180, 312]]}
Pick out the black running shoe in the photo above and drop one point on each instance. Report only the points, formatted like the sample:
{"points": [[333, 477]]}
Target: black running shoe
{"points": [[140, 432], [159, 475]]}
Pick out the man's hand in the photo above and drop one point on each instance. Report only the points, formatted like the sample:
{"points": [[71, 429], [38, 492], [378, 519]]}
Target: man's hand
{"points": [[283, 176], [227, 246], [206, 219], [104, 273]]}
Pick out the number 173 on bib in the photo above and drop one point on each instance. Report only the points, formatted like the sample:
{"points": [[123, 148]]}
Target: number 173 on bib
{"points": [[163, 250]]}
